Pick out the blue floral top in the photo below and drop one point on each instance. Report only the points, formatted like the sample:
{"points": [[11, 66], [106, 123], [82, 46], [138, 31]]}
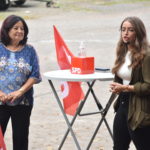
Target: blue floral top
{"points": [[15, 69]]}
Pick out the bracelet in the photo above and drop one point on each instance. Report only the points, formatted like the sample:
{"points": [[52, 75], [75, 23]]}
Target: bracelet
{"points": [[21, 90], [129, 88]]}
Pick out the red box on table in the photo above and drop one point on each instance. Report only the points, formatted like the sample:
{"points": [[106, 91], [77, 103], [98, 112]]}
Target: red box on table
{"points": [[82, 65]]}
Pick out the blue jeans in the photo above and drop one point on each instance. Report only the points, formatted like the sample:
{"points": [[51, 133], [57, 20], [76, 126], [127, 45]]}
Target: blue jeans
{"points": [[20, 119], [122, 132]]}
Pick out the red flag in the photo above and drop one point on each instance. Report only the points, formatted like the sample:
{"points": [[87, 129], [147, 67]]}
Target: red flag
{"points": [[71, 91], [2, 143]]}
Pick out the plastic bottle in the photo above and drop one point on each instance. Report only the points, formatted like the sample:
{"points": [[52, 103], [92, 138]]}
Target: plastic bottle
{"points": [[82, 52]]}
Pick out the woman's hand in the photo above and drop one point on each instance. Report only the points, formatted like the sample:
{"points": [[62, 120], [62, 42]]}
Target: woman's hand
{"points": [[117, 87], [17, 94], [14, 95], [3, 97]]}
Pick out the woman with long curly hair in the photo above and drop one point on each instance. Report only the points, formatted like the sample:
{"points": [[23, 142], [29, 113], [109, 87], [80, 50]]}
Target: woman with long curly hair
{"points": [[132, 83]]}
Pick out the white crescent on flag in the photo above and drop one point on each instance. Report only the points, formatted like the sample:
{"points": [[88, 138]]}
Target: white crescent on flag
{"points": [[65, 89]]}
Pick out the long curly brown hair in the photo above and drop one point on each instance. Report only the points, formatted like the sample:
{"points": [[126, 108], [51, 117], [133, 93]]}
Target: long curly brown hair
{"points": [[140, 46]]}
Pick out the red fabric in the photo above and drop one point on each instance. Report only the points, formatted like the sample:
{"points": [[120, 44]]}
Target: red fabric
{"points": [[71, 91], [2, 143]]}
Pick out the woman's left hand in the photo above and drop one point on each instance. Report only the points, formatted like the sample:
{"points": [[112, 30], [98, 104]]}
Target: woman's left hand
{"points": [[116, 87], [14, 95]]}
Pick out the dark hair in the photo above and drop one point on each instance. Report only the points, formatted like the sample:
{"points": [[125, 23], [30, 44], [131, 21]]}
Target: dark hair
{"points": [[140, 46], [8, 23]]}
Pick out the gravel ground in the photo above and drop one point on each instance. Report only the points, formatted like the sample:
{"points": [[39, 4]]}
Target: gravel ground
{"points": [[97, 25]]}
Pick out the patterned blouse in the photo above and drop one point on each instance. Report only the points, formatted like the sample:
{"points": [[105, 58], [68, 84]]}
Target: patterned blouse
{"points": [[15, 69]]}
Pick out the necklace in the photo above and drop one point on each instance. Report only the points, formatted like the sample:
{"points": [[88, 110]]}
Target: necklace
{"points": [[14, 48]]}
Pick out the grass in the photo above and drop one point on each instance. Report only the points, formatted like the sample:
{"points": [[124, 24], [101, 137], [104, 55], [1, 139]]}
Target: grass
{"points": [[4, 14], [78, 5], [87, 5], [103, 1]]}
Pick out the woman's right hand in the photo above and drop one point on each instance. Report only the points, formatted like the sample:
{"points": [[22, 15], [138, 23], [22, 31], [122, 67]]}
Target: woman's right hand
{"points": [[3, 97]]}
